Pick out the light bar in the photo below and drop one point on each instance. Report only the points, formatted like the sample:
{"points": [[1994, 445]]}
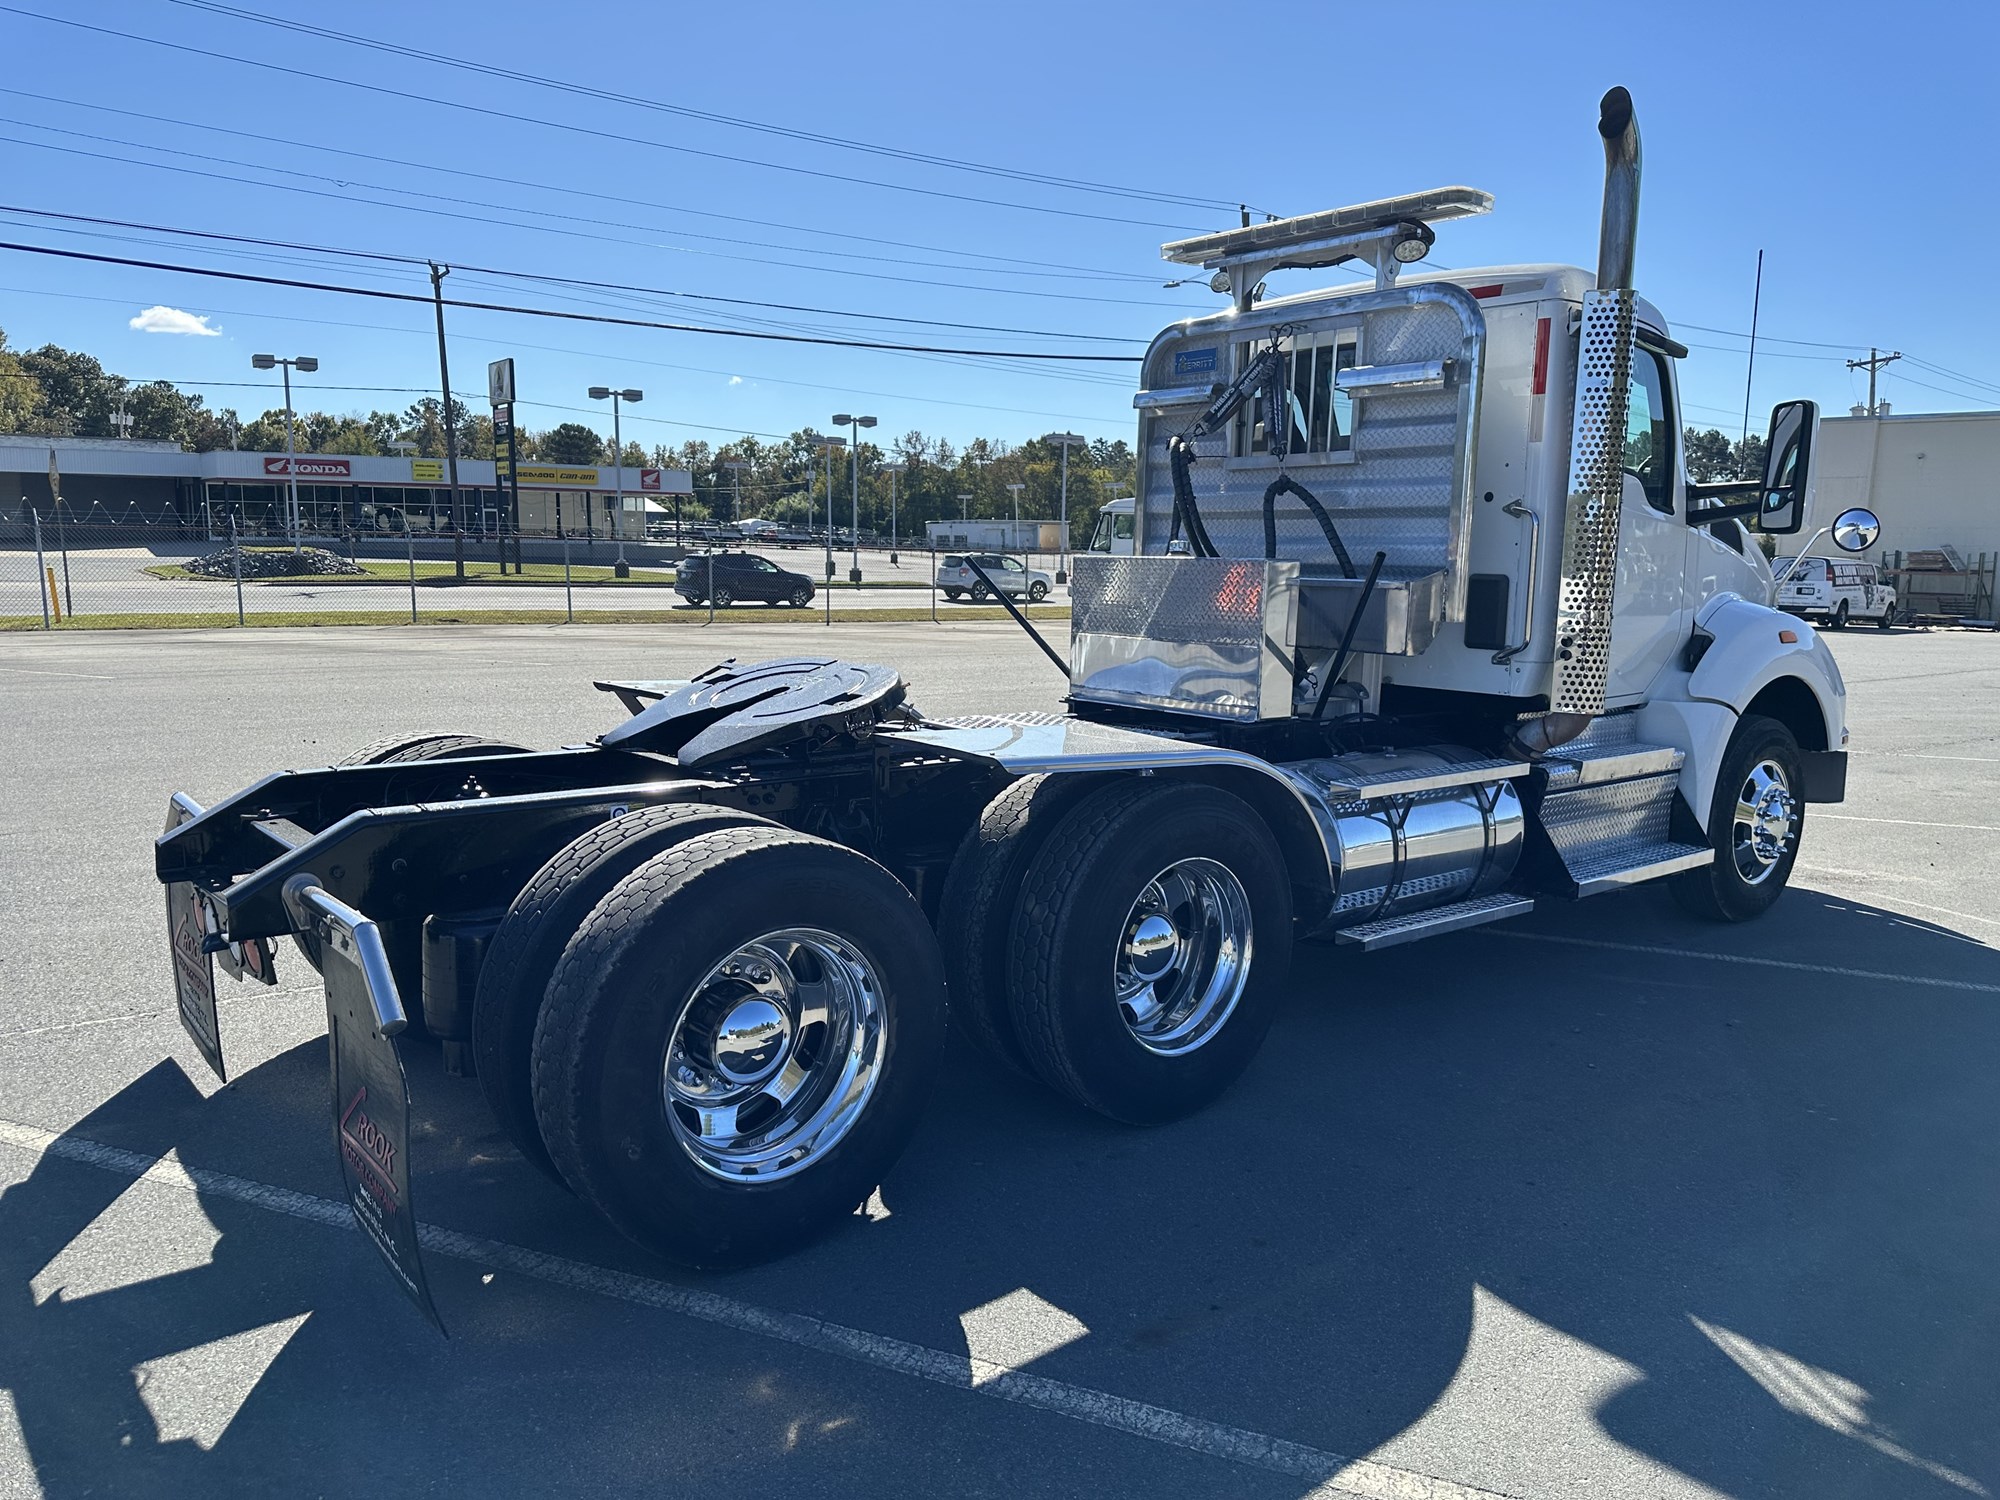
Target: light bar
{"points": [[1431, 207]]}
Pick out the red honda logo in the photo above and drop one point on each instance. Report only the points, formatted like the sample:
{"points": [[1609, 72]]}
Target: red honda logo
{"points": [[309, 468], [649, 479]]}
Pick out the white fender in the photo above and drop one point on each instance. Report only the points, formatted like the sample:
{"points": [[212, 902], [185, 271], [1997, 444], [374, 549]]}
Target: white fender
{"points": [[1754, 647]]}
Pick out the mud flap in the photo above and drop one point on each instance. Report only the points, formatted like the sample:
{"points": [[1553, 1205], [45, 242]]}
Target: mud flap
{"points": [[371, 1092], [194, 969]]}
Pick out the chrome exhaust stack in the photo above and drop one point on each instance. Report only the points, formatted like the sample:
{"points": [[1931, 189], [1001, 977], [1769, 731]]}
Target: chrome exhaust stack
{"points": [[1582, 663], [1618, 230]]}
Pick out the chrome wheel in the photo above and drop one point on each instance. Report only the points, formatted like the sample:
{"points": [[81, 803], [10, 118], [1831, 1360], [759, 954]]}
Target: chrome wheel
{"points": [[1184, 956], [1766, 820], [775, 1055]]}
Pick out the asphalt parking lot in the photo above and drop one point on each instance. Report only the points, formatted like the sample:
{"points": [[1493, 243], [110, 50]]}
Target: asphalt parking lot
{"points": [[1597, 1203]]}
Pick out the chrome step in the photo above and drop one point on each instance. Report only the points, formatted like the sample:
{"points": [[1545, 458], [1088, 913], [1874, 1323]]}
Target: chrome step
{"points": [[1389, 931], [1394, 783], [1614, 869]]}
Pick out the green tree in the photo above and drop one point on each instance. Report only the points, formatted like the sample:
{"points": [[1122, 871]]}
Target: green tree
{"points": [[21, 401], [78, 397], [1748, 456], [570, 443], [1709, 455]]}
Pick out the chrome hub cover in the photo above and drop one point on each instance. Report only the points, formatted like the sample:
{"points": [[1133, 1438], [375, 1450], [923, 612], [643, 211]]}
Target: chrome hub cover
{"points": [[1152, 946], [1765, 822], [1183, 958], [775, 1055], [751, 1041]]}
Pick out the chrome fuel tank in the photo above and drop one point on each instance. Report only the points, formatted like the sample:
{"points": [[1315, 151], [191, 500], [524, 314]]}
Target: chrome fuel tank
{"points": [[1435, 832]]}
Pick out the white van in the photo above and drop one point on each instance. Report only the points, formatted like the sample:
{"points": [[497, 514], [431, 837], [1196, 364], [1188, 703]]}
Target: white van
{"points": [[1113, 536], [1833, 590]]}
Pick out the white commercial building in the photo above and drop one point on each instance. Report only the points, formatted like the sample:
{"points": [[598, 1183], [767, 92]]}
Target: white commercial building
{"points": [[1933, 478], [118, 481]]}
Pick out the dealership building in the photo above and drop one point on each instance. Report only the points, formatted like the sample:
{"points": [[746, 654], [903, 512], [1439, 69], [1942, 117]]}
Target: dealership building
{"points": [[119, 480]]}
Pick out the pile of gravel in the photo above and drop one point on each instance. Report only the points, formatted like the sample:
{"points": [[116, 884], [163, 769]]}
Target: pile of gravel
{"points": [[275, 562]]}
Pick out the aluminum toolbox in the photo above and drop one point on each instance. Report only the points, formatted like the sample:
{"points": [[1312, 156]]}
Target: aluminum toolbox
{"points": [[1220, 636]]}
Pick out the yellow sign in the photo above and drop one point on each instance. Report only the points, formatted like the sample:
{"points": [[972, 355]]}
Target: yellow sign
{"points": [[426, 470], [540, 474]]}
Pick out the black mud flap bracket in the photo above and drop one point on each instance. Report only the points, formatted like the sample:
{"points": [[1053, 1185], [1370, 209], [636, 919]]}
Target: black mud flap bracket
{"points": [[371, 1091]]}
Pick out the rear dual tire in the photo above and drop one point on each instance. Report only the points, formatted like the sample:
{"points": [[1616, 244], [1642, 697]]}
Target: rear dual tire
{"points": [[737, 1043], [539, 924], [1124, 941]]}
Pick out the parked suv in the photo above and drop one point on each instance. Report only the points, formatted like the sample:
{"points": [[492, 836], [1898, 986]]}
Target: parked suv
{"points": [[957, 579], [732, 576], [1833, 590]]}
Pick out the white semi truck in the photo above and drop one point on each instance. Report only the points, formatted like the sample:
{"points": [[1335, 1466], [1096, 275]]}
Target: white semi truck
{"points": [[1421, 625]]}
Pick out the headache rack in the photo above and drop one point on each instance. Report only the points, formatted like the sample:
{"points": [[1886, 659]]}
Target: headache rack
{"points": [[1357, 444]]}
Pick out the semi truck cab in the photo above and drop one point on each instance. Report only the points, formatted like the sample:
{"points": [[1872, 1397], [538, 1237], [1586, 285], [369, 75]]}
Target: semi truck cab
{"points": [[1415, 622]]}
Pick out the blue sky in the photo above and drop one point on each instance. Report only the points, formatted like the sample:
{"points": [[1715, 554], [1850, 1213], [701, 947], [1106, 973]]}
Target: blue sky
{"points": [[1852, 144]]}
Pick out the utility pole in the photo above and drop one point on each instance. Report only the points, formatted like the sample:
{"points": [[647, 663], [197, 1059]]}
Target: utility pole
{"points": [[1750, 370], [438, 274], [1874, 362]]}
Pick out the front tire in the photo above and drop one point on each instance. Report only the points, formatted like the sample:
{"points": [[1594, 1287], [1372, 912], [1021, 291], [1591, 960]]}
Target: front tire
{"points": [[1151, 947], [737, 1044], [801, 597], [1037, 591], [1755, 822], [1887, 618]]}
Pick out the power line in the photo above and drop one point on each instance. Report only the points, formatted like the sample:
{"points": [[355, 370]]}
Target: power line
{"points": [[1002, 291], [416, 260], [844, 391], [1041, 272], [266, 138], [547, 312], [564, 86], [210, 55]]}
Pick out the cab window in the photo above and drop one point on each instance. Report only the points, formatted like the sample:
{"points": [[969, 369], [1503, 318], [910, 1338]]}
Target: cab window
{"points": [[1649, 429]]}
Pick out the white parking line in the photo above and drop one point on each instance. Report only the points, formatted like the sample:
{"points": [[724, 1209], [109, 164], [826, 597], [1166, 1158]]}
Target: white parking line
{"points": [[1908, 822], [1331, 1474], [1740, 958]]}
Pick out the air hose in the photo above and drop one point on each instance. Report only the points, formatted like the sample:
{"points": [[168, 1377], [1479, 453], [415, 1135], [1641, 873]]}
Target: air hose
{"points": [[1284, 484]]}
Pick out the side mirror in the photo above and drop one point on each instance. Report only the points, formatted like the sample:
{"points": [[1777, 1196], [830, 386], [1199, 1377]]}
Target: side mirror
{"points": [[1787, 467], [1856, 530]]}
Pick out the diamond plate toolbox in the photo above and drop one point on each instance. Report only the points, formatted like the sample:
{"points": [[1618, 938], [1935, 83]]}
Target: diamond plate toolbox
{"points": [[1199, 635]]}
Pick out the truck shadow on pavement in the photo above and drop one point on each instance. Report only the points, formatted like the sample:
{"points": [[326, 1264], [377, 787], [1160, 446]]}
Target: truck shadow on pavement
{"points": [[1543, 1209]]}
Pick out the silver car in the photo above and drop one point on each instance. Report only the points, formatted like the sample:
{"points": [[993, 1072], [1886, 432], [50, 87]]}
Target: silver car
{"points": [[958, 580]]}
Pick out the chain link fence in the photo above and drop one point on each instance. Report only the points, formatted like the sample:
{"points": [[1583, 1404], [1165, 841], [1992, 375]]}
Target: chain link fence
{"points": [[60, 573]]}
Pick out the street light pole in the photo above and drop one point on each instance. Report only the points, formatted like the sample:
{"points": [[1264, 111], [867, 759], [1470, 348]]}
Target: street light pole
{"points": [[854, 425], [1066, 439], [736, 466], [621, 568], [826, 446], [965, 507], [1015, 490], [893, 470], [306, 364]]}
